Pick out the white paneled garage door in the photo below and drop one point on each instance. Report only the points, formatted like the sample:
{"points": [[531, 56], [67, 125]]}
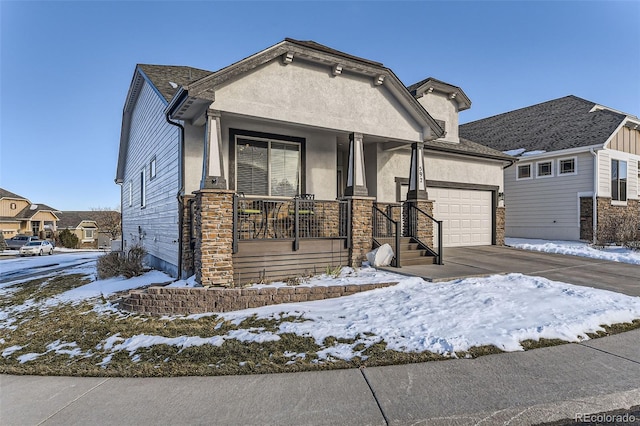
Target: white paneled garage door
{"points": [[466, 216]]}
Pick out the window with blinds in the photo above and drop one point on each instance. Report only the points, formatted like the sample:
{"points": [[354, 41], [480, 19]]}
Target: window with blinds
{"points": [[267, 167]]}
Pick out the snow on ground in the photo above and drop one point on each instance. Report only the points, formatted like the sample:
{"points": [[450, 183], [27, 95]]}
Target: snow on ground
{"points": [[43, 263], [577, 248], [412, 316], [500, 310], [346, 276]]}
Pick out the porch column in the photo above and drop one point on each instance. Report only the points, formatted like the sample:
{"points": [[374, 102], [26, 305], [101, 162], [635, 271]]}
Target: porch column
{"points": [[417, 186], [212, 254], [356, 182], [213, 168], [418, 225]]}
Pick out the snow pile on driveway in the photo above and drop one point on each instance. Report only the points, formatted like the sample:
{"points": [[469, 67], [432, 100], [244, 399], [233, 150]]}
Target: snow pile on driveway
{"points": [[577, 248]]}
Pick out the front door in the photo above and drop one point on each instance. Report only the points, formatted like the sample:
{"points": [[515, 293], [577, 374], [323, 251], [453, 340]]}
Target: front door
{"points": [[35, 228]]}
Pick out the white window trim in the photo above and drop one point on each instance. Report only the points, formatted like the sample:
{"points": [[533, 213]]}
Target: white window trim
{"points": [[619, 202], [269, 142], [152, 168], [518, 171], [575, 166], [130, 193], [143, 189], [545, 176]]}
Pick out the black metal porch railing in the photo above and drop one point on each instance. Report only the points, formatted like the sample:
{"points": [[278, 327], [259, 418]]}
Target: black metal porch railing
{"points": [[424, 229], [295, 218], [387, 230]]}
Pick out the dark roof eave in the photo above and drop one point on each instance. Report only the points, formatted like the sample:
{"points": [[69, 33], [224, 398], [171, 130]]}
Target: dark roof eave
{"points": [[452, 150]]}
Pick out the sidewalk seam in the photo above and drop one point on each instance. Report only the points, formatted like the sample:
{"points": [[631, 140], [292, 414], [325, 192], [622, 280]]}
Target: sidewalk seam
{"points": [[71, 402], [584, 344], [375, 397]]}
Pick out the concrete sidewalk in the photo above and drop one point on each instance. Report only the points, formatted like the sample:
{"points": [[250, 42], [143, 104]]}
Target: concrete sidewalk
{"points": [[519, 388], [461, 262]]}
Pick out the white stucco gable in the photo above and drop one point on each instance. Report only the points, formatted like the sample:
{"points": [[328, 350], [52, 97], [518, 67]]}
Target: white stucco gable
{"points": [[306, 93], [309, 84], [443, 101]]}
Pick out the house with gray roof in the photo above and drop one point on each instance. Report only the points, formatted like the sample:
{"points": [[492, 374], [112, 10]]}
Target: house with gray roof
{"points": [[577, 176], [18, 215], [94, 228], [296, 158]]}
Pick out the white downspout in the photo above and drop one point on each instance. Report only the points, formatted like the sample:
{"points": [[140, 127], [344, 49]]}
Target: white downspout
{"points": [[595, 190]]}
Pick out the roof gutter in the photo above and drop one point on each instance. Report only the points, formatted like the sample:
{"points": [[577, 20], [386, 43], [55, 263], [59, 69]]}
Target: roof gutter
{"points": [[180, 195]]}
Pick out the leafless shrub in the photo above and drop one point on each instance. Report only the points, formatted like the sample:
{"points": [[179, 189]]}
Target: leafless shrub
{"points": [[128, 264]]}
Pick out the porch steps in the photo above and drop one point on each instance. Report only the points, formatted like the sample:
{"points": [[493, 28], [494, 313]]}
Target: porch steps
{"points": [[411, 252]]}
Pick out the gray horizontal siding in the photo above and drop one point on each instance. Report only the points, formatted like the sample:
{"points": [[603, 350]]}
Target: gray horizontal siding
{"points": [[546, 207], [151, 136]]}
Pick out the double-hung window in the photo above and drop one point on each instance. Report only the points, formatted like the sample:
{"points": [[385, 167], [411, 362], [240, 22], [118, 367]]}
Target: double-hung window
{"points": [[618, 180], [269, 167]]}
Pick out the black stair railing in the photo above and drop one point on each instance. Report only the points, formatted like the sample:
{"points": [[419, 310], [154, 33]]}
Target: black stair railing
{"points": [[388, 230], [424, 229]]}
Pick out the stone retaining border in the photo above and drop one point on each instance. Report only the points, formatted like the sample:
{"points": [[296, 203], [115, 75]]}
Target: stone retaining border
{"points": [[185, 301]]}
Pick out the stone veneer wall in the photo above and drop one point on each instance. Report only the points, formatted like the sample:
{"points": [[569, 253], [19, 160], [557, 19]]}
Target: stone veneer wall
{"points": [[611, 219], [213, 253], [586, 218], [424, 231], [188, 240], [185, 301], [361, 230], [500, 221]]}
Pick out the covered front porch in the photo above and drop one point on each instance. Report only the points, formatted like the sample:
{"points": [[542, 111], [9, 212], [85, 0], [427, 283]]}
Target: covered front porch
{"points": [[301, 200]]}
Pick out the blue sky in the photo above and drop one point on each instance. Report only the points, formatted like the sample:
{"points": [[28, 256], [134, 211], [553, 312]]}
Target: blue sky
{"points": [[65, 67]]}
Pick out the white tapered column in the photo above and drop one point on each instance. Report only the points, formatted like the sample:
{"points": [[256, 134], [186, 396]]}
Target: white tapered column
{"points": [[213, 167]]}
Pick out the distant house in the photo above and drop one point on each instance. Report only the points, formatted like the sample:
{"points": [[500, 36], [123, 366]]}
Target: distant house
{"points": [[577, 175], [298, 158], [94, 228], [18, 215]]}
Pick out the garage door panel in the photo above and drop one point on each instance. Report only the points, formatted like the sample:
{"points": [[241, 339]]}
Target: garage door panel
{"points": [[466, 216]]}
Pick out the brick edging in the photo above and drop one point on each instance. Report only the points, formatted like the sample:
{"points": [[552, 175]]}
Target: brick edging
{"points": [[185, 301]]}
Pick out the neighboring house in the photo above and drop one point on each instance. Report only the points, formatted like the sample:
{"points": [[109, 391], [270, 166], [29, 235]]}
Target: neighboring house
{"points": [[19, 216], [294, 159], [93, 228], [577, 171]]}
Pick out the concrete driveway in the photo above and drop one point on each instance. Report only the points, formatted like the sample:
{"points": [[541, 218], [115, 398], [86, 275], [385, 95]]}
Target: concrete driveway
{"points": [[461, 262]]}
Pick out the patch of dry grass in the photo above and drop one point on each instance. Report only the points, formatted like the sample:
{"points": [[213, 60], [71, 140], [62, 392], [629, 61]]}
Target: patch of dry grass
{"points": [[88, 325]]}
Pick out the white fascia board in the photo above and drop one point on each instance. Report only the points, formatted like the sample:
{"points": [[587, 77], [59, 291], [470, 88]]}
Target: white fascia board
{"points": [[559, 153]]}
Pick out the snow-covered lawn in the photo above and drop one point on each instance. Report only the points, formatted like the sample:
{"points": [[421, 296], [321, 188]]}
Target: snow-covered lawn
{"points": [[446, 318], [577, 248], [42, 263]]}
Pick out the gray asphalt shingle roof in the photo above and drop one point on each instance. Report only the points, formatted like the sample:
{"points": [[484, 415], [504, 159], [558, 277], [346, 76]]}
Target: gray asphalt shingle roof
{"points": [[467, 147], [8, 194], [71, 219], [163, 75], [550, 126]]}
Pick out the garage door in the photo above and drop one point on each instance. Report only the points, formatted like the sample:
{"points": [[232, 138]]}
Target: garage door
{"points": [[466, 216]]}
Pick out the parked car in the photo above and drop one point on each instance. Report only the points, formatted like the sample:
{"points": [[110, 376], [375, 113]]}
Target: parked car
{"points": [[19, 240], [36, 248]]}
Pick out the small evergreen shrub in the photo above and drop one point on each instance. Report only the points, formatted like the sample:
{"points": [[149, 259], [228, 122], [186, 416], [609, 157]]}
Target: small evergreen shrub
{"points": [[3, 243], [68, 239]]}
